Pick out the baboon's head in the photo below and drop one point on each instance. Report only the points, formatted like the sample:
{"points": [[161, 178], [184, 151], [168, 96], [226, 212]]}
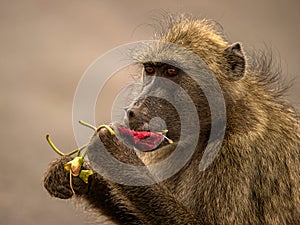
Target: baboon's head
{"points": [[175, 73]]}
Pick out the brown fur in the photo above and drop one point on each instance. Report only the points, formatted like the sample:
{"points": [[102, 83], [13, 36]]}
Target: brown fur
{"points": [[255, 178]]}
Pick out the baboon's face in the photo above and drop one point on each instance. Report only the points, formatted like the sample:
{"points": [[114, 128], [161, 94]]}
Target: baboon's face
{"points": [[165, 87], [154, 109]]}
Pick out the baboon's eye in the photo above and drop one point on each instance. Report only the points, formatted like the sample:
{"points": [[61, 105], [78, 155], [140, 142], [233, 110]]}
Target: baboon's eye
{"points": [[149, 69], [172, 71]]}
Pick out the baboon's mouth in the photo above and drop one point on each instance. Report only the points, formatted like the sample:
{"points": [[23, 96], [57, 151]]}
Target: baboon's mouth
{"points": [[142, 140]]}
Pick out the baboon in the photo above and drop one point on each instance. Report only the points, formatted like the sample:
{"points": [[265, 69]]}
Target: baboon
{"points": [[255, 176]]}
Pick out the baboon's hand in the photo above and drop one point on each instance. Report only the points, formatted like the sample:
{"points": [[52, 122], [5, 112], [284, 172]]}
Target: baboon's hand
{"points": [[57, 180], [117, 149]]}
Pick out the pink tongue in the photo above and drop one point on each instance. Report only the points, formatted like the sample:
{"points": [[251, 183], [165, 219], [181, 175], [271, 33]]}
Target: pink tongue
{"points": [[141, 140]]}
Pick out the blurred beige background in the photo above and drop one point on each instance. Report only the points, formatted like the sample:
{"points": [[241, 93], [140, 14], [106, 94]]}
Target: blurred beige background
{"points": [[45, 47]]}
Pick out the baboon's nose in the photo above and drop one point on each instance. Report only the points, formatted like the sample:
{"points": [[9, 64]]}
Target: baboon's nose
{"points": [[130, 113]]}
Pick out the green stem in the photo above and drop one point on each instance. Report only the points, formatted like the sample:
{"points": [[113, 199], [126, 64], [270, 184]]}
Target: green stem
{"points": [[53, 146], [87, 125], [168, 139], [78, 150], [111, 131], [71, 184], [61, 153], [83, 155]]}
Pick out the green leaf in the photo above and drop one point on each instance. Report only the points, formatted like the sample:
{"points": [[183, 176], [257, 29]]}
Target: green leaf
{"points": [[84, 175]]}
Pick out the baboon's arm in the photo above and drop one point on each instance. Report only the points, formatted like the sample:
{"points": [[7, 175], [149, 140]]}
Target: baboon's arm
{"points": [[121, 203]]}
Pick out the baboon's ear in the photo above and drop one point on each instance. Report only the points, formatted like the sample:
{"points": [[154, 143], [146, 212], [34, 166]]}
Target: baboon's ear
{"points": [[235, 59]]}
